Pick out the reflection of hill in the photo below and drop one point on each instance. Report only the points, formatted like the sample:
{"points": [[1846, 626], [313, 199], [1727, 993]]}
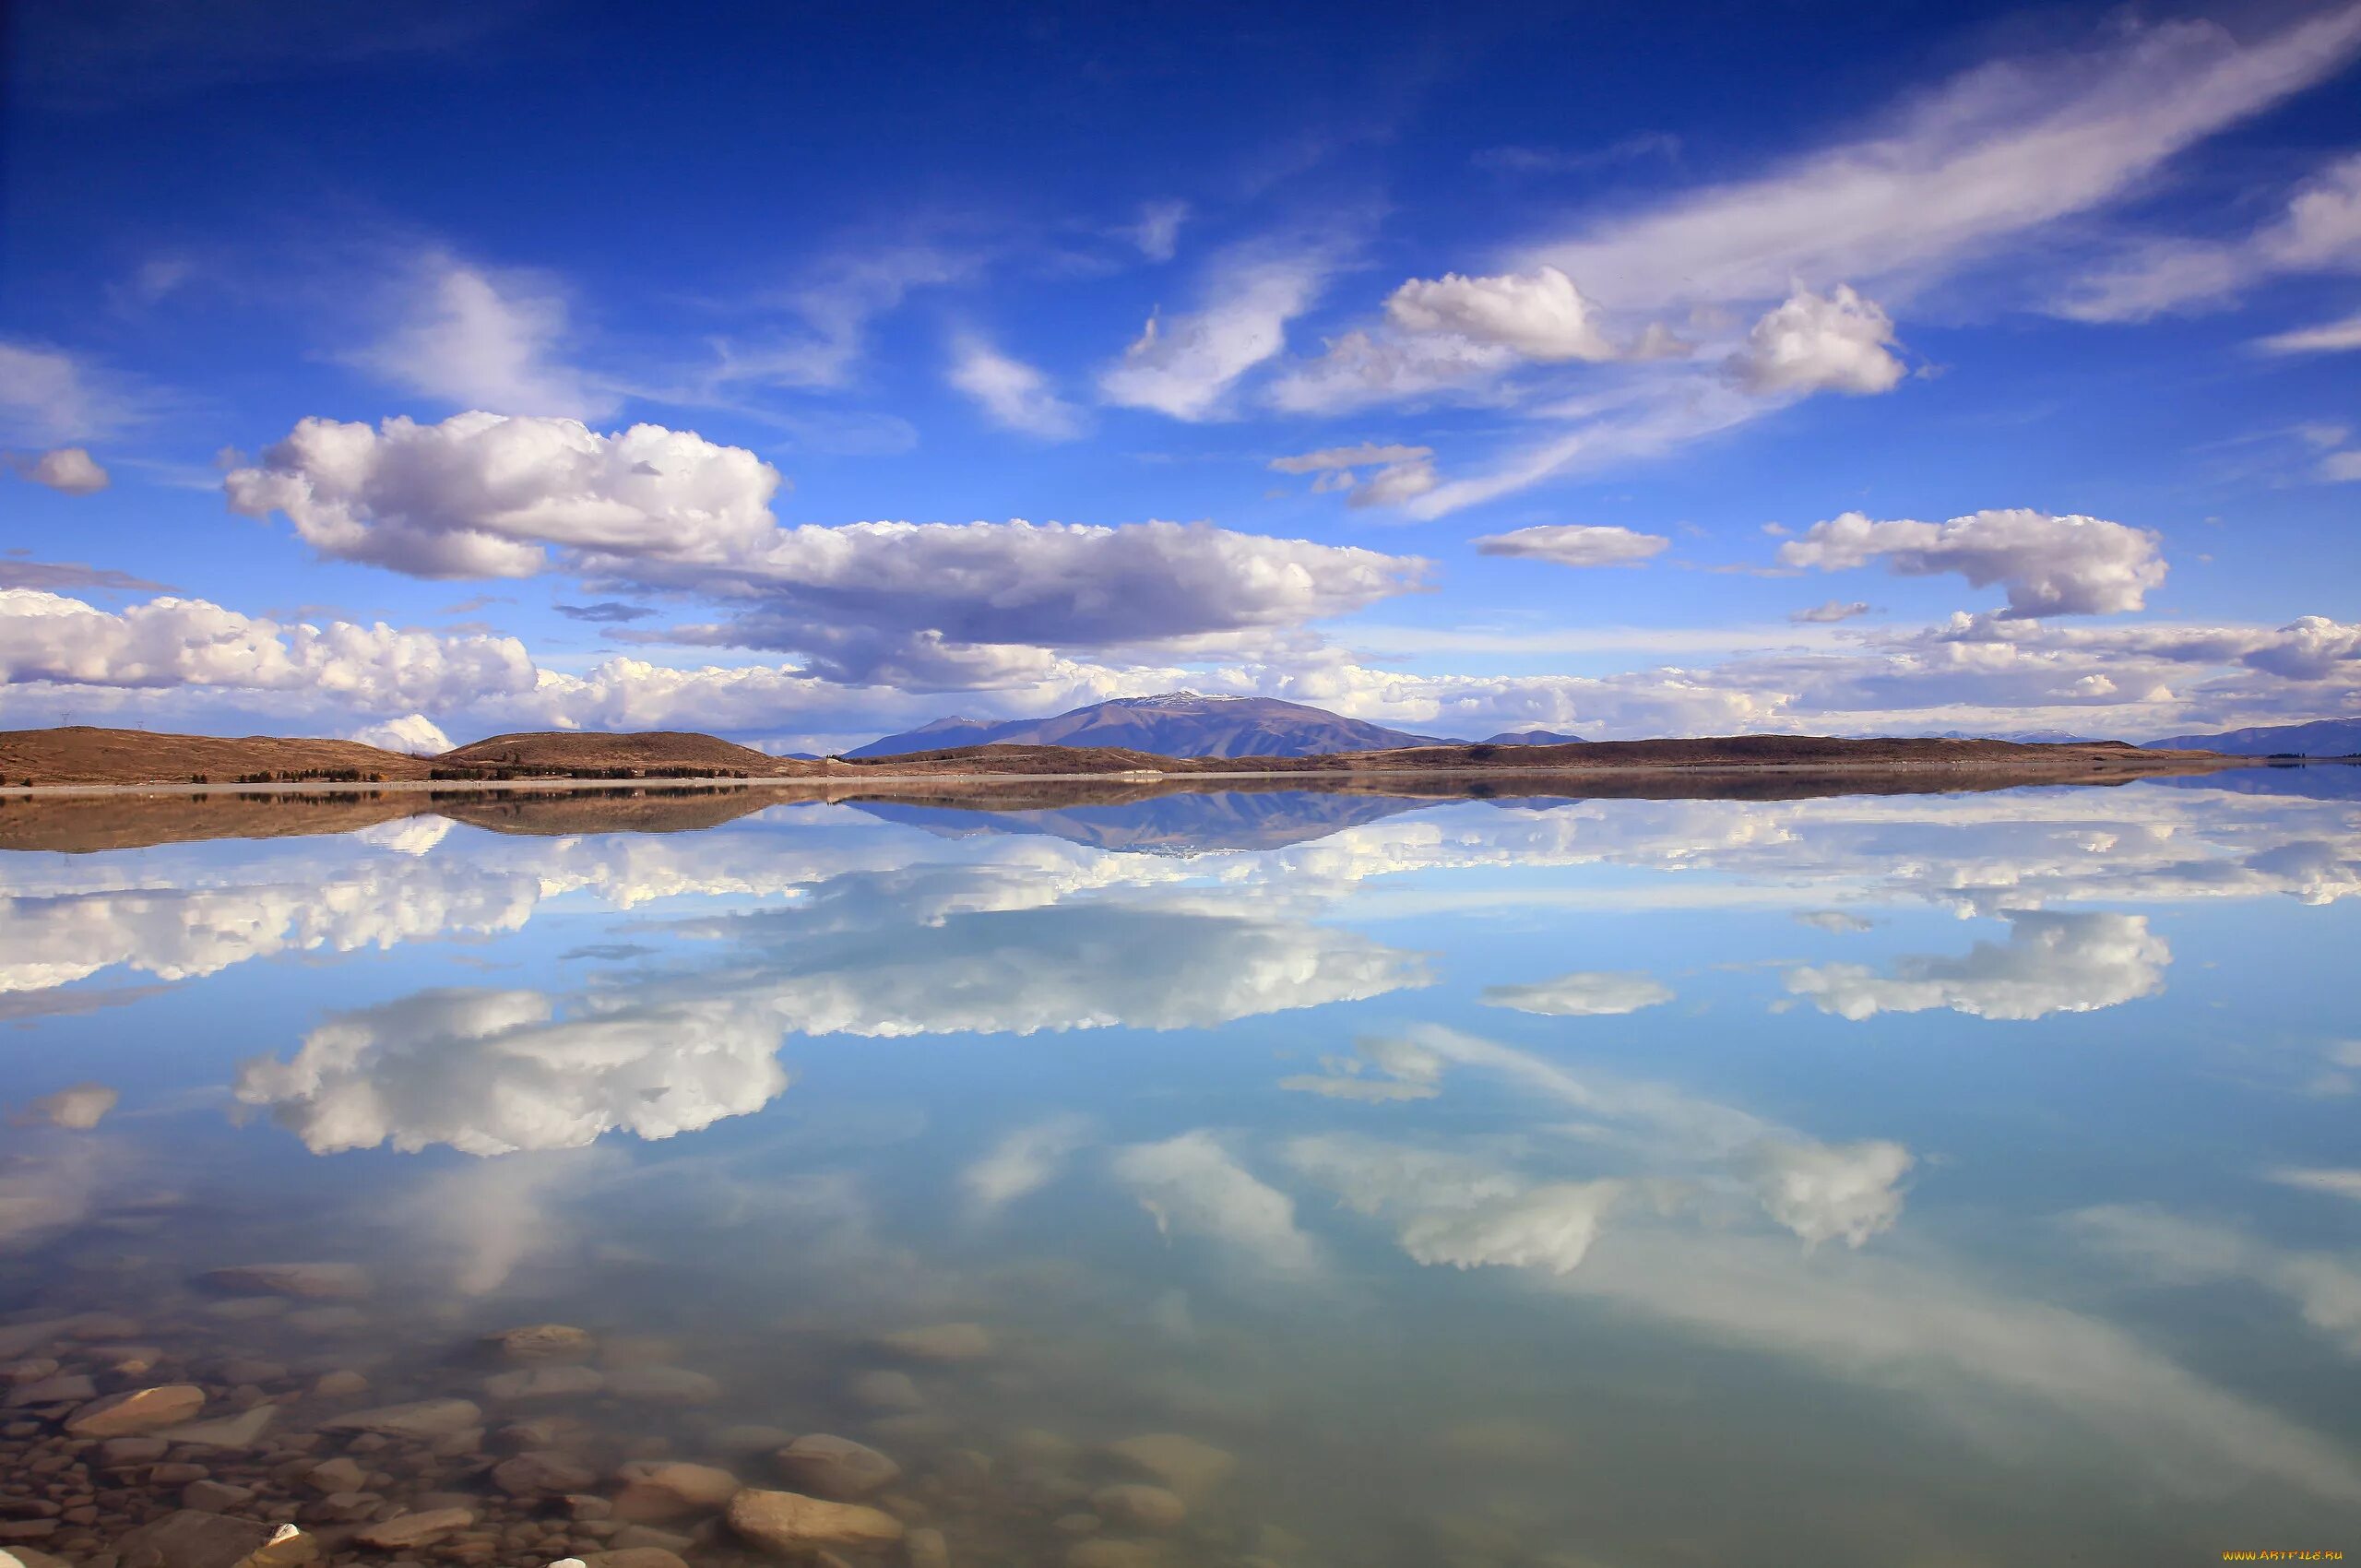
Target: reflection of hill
{"points": [[1176, 822], [2311, 780], [1207, 812]]}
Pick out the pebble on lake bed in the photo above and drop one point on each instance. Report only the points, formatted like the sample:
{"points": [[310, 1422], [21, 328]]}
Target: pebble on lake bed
{"points": [[887, 1391], [655, 1490], [938, 1342], [141, 1409], [545, 1342], [828, 1465], [1188, 1467], [1134, 1503], [790, 1524], [312, 1281]]}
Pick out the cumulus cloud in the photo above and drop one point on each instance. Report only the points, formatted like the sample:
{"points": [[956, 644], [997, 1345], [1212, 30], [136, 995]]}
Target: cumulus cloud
{"points": [[1192, 1186], [69, 469], [1577, 544], [2050, 565], [1360, 368], [1832, 342], [2054, 961], [1185, 365], [166, 643], [1013, 394], [1996, 152], [483, 495], [413, 732], [1541, 315], [1584, 993], [1823, 1191], [497, 1072], [1829, 613], [1549, 1228], [485, 340]]}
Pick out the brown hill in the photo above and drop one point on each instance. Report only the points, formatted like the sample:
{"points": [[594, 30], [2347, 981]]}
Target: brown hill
{"points": [[81, 753], [678, 752]]}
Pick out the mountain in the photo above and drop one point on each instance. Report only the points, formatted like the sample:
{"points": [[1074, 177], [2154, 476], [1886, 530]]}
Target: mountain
{"points": [[1531, 738], [2322, 737], [1180, 724]]}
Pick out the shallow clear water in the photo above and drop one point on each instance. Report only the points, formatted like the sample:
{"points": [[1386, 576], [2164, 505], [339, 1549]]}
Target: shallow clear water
{"points": [[1923, 1180]]}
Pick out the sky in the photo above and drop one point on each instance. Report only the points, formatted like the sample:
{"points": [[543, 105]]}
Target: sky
{"points": [[802, 374]]}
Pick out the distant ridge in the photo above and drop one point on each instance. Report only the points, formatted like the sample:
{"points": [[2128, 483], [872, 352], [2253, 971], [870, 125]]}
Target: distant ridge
{"points": [[2321, 737], [1533, 737], [1177, 724]]}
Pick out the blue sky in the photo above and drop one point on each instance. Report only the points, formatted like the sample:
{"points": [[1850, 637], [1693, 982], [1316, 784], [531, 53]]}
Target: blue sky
{"points": [[1805, 368]]}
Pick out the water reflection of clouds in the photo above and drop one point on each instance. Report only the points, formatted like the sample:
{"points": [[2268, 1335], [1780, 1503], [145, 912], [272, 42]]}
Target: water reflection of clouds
{"points": [[2061, 961]]}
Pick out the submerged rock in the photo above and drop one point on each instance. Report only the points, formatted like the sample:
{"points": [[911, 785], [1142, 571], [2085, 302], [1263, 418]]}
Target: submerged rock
{"points": [[926, 1548], [655, 1490], [312, 1281], [414, 1529], [191, 1539], [244, 1429], [826, 1465], [793, 1525], [546, 1383], [425, 1418], [662, 1385], [634, 1557], [887, 1391], [1134, 1503], [1102, 1552], [1188, 1467], [545, 1342], [71, 1388], [938, 1342], [540, 1472], [140, 1410]]}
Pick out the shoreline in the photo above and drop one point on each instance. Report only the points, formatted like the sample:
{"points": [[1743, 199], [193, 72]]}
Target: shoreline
{"points": [[2169, 763]]}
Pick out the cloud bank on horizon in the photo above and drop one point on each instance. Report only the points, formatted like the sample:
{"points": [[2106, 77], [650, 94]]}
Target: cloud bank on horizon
{"points": [[2011, 396]]}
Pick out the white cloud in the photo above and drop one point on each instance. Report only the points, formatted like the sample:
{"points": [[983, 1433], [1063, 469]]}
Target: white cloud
{"points": [[2343, 1183], [69, 470], [413, 732], [49, 396], [1577, 544], [1010, 392], [1997, 152], [2324, 1289], [1549, 1228], [165, 643], [1584, 993], [2332, 337], [1829, 613], [1024, 1161], [1382, 1069], [1185, 365], [1823, 1192], [1835, 342], [1402, 471], [2050, 565], [496, 1072], [486, 339], [2054, 961], [1541, 315], [1192, 1186], [1157, 233], [1368, 454], [481, 494], [2320, 231], [1360, 368]]}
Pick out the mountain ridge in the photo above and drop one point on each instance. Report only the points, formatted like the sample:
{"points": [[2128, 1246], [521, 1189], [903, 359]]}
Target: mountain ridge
{"points": [[1174, 724], [2317, 737]]}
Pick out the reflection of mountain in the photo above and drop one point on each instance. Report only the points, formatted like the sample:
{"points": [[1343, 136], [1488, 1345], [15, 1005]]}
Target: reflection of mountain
{"points": [[1174, 823], [2310, 780]]}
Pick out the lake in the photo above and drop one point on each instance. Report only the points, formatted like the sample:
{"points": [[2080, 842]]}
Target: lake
{"points": [[1267, 1178]]}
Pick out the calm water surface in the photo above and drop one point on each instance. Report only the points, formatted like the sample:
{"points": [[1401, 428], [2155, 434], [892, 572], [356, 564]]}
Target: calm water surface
{"points": [[1873, 1180]]}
